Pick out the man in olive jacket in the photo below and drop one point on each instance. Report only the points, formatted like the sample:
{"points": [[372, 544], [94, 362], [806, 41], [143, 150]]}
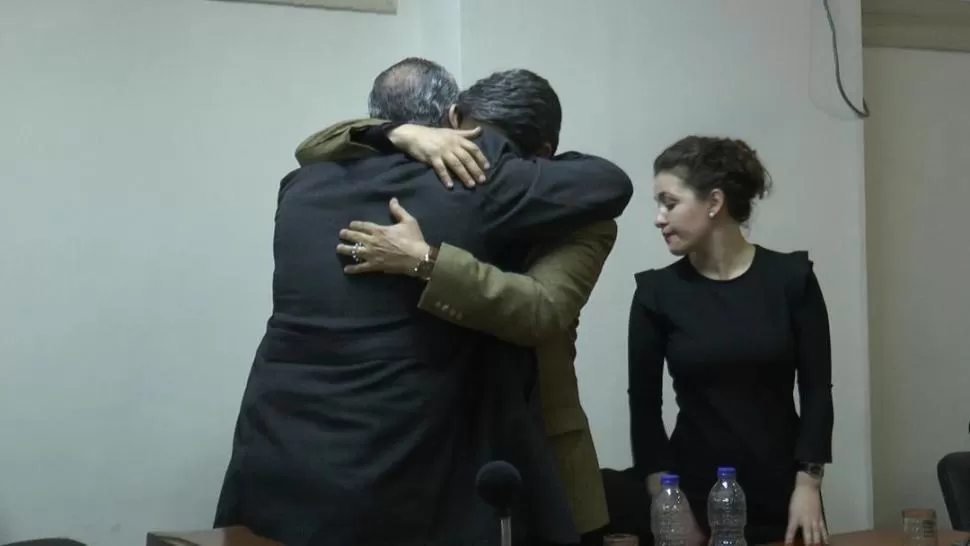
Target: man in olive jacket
{"points": [[539, 308]]}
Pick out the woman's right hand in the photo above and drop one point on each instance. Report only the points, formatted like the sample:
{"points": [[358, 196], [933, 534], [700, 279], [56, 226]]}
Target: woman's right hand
{"points": [[445, 150]]}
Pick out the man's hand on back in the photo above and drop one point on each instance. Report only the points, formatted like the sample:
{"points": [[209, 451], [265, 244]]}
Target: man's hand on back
{"points": [[447, 151], [397, 249]]}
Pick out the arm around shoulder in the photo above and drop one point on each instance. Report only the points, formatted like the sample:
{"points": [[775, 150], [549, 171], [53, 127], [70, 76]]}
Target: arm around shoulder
{"points": [[534, 199], [335, 143]]}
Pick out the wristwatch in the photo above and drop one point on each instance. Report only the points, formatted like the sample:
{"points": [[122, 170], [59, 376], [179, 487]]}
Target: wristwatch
{"points": [[426, 266], [814, 470]]}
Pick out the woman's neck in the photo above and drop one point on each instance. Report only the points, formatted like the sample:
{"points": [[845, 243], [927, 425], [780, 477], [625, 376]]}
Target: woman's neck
{"points": [[726, 255]]}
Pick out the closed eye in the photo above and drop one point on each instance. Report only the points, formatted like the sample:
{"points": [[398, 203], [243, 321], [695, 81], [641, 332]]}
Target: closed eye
{"points": [[663, 199]]}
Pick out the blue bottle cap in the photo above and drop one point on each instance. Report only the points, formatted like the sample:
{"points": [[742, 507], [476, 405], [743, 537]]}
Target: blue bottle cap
{"points": [[669, 480], [727, 473]]}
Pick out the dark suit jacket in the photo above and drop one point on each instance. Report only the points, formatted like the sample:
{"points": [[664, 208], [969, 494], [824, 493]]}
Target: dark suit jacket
{"points": [[364, 419]]}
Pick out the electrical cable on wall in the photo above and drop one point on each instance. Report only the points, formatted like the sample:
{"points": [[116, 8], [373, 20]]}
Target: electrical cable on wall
{"points": [[864, 112]]}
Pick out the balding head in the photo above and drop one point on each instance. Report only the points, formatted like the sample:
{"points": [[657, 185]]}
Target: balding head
{"points": [[413, 91]]}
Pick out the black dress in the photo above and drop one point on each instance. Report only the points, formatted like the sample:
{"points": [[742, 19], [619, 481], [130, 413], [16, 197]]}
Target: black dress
{"points": [[733, 349]]}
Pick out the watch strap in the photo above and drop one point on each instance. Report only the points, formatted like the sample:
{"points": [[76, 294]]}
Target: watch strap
{"points": [[425, 267], [816, 470]]}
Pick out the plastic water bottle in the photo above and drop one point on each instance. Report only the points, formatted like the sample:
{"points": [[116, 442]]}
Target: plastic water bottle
{"points": [[670, 513], [727, 510]]}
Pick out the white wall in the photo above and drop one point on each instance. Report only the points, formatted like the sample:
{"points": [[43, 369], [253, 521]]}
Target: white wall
{"points": [[140, 149], [918, 175]]}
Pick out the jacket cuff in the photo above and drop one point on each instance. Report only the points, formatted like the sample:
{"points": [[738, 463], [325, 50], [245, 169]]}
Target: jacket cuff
{"points": [[438, 297]]}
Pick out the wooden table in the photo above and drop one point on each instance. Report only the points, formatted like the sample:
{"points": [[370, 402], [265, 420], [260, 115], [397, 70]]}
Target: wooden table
{"points": [[885, 537], [230, 536], [240, 536]]}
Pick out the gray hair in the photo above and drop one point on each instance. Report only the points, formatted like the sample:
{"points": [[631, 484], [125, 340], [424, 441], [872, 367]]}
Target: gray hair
{"points": [[414, 90]]}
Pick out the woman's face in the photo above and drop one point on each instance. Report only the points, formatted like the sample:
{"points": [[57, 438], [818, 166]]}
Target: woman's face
{"points": [[683, 218]]}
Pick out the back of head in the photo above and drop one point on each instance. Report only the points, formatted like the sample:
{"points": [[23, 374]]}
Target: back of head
{"points": [[413, 91], [706, 164], [519, 103]]}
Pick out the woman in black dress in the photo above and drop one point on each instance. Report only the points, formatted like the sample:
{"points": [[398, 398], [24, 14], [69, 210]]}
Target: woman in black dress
{"points": [[736, 323]]}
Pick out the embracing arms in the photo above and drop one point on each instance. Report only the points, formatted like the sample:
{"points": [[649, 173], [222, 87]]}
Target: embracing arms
{"points": [[526, 199], [521, 308]]}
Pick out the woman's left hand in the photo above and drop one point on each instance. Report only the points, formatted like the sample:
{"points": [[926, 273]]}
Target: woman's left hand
{"points": [[396, 249], [805, 513]]}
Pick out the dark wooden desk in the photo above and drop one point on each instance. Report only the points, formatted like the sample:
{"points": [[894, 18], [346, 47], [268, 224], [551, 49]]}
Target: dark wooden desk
{"points": [[884, 537], [230, 536], [240, 536]]}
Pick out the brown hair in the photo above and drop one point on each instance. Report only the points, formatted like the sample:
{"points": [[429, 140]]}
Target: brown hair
{"points": [[706, 164]]}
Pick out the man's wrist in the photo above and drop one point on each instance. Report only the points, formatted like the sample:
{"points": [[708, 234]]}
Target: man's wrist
{"points": [[397, 133], [809, 477], [427, 258], [375, 136]]}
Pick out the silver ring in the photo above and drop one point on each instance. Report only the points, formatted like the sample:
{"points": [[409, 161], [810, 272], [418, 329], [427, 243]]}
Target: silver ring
{"points": [[357, 248]]}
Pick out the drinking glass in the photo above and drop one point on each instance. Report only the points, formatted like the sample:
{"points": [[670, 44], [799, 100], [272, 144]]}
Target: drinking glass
{"points": [[919, 527]]}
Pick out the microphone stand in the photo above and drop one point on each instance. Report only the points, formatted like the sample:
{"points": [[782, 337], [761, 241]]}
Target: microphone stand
{"points": [[506, 526]]}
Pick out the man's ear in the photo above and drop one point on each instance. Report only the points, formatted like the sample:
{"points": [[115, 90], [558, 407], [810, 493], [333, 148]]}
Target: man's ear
{"points": [[545, 151], [453, 118]]}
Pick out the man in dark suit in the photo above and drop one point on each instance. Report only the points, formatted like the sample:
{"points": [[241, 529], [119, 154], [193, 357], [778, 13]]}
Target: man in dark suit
{"points": [[364, 419]]}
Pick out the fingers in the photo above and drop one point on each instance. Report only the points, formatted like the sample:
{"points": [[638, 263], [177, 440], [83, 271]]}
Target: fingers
{"points": [[791, 530], [471, 166], [367, 228], [460, 163], [451, 154], [819, 536], [356, 269], [352, 235], [348, 250], [399, 213], [812, 533], [469, 133], [357, 253], [441, 170], [476, 153], [457, 166]]}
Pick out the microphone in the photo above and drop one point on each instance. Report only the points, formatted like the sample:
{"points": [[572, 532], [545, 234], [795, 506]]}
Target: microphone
{"points": [[498, 483]]}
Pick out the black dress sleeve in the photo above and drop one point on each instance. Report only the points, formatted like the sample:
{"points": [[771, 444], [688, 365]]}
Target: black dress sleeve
{"points": [[813, 345], [647, 348]]}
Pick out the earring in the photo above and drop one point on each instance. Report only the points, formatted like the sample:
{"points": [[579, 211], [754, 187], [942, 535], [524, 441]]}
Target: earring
{"points": [[711, 214]]}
